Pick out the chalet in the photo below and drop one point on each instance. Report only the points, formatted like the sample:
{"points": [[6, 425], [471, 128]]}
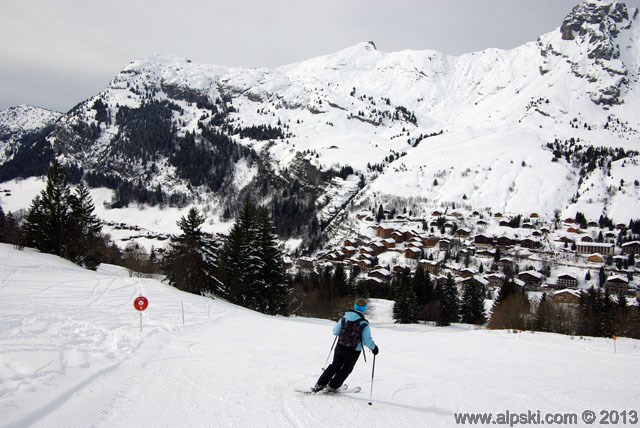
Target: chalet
{"points": [[567, 297], [475, 214], [534, 215], [572, 229], [482, 240], [569, 221], [586, 238], [400, 270], [567, 280], [467, 273], [415, 242], [367, 250], [350, 243], [530, 243], [595, 258], [306, 262], [617, 284], [349, 251], [504, 223], [592, 224], [566, 240], [389, 243], [498, 215], [413, 253], [430, 241], [632, 247], [545, 230], [397, 235], [363, 264], [378, 247], [495, 279], [505, 261], [531, 278], [409, 235], [335, 256], [485, 253], [594, 247], [536, 233], [457, 214], [462, 233], [383, 232], [381, 274], [505, 241], [527, 226], [430, 266], [436, 214], [444, 244], [481, 223], [474, 281]]}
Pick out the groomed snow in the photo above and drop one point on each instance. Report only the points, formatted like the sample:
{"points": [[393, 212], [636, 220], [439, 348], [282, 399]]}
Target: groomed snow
{"points": [[72, 355]]}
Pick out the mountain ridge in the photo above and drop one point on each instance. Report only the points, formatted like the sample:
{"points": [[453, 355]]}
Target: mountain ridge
{"points": [[500, 130]]}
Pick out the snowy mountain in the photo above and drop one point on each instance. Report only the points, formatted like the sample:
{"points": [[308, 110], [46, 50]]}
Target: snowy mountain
{"points": [[548, 127], [22, 124], [73, 354]]}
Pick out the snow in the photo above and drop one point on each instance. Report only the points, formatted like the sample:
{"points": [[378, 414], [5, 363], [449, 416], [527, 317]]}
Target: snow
{"points": [[72, 354]]}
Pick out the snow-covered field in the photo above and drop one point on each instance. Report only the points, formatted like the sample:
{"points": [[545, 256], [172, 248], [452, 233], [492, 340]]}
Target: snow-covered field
{"points": [[72, 355]]}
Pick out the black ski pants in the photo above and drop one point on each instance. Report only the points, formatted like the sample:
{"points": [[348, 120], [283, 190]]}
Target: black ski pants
{"points": [[343, 361]]}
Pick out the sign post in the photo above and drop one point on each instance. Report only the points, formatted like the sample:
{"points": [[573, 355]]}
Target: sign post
{"points": [[140, 304], [615, 351]]}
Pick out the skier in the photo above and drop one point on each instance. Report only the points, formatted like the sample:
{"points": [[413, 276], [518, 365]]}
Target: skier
{"points": [[352, 331]]}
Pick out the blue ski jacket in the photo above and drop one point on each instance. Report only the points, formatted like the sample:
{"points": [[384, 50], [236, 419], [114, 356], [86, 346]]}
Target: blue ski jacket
{"points": [[367, 340]]}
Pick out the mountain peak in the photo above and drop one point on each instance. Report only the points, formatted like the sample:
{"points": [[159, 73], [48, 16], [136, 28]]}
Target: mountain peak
{"points": [[595, 16]]}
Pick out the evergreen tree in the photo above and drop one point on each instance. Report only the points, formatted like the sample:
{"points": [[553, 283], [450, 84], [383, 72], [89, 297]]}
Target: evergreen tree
{"points": [[49, 216], [380, 214], [84, 240], [340, 282], [425, 293], [510, 308], [449, 303], [275, 290], [405, 307], [251, 264], [472, 305], [238, 262], [192, 260]]}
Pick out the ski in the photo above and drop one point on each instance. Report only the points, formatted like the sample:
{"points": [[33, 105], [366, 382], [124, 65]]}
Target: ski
{"points": [[344, 389]]}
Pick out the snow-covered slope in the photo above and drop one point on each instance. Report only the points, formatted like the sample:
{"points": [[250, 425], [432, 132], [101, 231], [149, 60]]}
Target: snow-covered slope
{"points": [[72, 354], [19, 122]]}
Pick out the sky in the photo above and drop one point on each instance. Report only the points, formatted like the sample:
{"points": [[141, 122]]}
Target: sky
{"points": [[55, 54]]}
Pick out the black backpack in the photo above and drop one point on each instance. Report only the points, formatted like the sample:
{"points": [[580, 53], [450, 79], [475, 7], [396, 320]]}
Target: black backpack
{"points": [[351, 332]]}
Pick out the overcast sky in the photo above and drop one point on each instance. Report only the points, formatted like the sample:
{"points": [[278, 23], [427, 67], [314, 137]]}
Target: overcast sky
{"points": [[56, 53]]}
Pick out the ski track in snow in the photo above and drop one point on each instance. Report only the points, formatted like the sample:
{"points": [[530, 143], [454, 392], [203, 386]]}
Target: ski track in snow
{"points": [[72, 355]]}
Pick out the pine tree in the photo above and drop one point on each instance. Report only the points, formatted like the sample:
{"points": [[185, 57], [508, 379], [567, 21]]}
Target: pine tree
{"points": [[449, 303], [472, 305], [425, 293], [238, 262], [192, 260], [84, 240], [405, 306], [510, 308], [275, 289], [48, 219]]}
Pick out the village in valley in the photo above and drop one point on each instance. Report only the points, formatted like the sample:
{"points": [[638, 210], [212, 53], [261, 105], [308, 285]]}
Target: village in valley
{"points": [[559, 257]]}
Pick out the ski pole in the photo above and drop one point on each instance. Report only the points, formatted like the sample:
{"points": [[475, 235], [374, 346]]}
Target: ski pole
{"points": [[330, 350], [373, 369]]}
